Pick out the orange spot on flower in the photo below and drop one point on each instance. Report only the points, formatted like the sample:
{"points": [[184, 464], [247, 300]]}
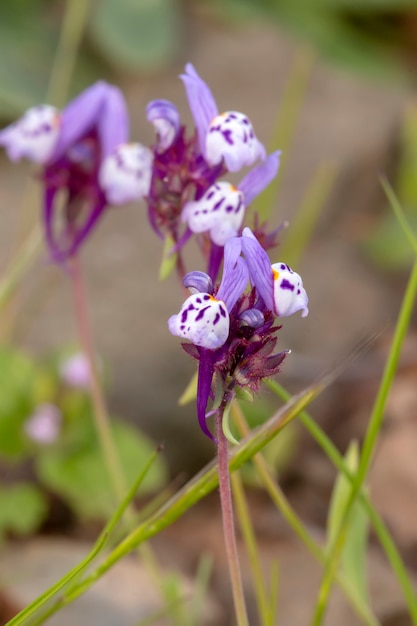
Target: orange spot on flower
{"points": [[275, 274]]}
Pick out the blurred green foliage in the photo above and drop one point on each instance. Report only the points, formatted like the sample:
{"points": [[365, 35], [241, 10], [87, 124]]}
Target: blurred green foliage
{"points": [[121, 35], [281, 451], [72, 466], [376, 37], [22, 509], [136, 34], [386, 246], [372, 37], [353, 562]]}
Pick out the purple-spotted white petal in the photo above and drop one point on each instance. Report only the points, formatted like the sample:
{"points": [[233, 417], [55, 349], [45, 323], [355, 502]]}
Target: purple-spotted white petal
{"points": [[278, 285], [289, 293], [126, 174], [203, 319], [230, 137], [34, 136], [221, 211], [166, 121]]}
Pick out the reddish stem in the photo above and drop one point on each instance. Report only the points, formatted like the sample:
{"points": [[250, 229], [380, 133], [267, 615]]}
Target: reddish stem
{"points": [[228, 520]]}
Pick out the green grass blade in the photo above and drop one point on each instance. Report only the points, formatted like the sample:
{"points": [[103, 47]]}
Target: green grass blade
{"points": [[249, 538], [34, 606], [312, 204], [205, 567], [202, 484], [286, 123], [278, 498], [380, 529], [354, 552], [399, 213]]}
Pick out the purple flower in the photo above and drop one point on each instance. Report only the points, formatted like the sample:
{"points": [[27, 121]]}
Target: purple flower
{"points": [[231, 330], [75, 371], [221, 209], [125, 175], [203, 318], [186, 186], [166, 120], [227, 136], [279, 286], [34, 136], [87, 163], [44, 425]]}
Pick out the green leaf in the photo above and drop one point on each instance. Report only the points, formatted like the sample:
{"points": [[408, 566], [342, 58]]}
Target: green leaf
{"points": [[136, 34], [18, 375], [169, 259], [407, 179], [27, 43], [341, 42], [387, 246], [202, 484], [190, 392], [22, 509], [280, 452], [79, 474], [354, 552], [368, 6]]}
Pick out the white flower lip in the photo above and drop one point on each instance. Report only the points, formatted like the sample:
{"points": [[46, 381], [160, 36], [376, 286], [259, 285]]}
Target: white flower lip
{"points": [[203, 320], [125, 175], [220, 211], [34, 136], [231, 137], [289, 293]]}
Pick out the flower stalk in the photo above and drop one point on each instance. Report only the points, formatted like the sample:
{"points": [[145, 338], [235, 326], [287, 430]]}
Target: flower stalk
{"points": [[101, 417], [191, 493], [228, 518]]}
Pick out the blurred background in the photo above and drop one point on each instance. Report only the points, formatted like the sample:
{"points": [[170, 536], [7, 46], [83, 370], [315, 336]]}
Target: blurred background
{"points": [[332, 83]]}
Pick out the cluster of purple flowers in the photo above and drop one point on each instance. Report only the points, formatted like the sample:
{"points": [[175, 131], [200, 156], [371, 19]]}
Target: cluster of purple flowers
{"points": [[87, 164], [84, 152], [232, 330], [185, 189]]}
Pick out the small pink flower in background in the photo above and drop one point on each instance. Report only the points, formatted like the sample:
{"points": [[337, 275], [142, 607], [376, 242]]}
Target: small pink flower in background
{"points": [[75, 372], [44, 425]]}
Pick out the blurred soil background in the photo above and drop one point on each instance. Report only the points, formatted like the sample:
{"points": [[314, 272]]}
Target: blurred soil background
{"points": [[350, 121]]}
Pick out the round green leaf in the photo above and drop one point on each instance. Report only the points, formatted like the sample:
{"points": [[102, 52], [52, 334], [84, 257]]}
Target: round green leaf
{"points": [[22, 509], [27, 43], [18, 374], [80, 476], [136, 34]]}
